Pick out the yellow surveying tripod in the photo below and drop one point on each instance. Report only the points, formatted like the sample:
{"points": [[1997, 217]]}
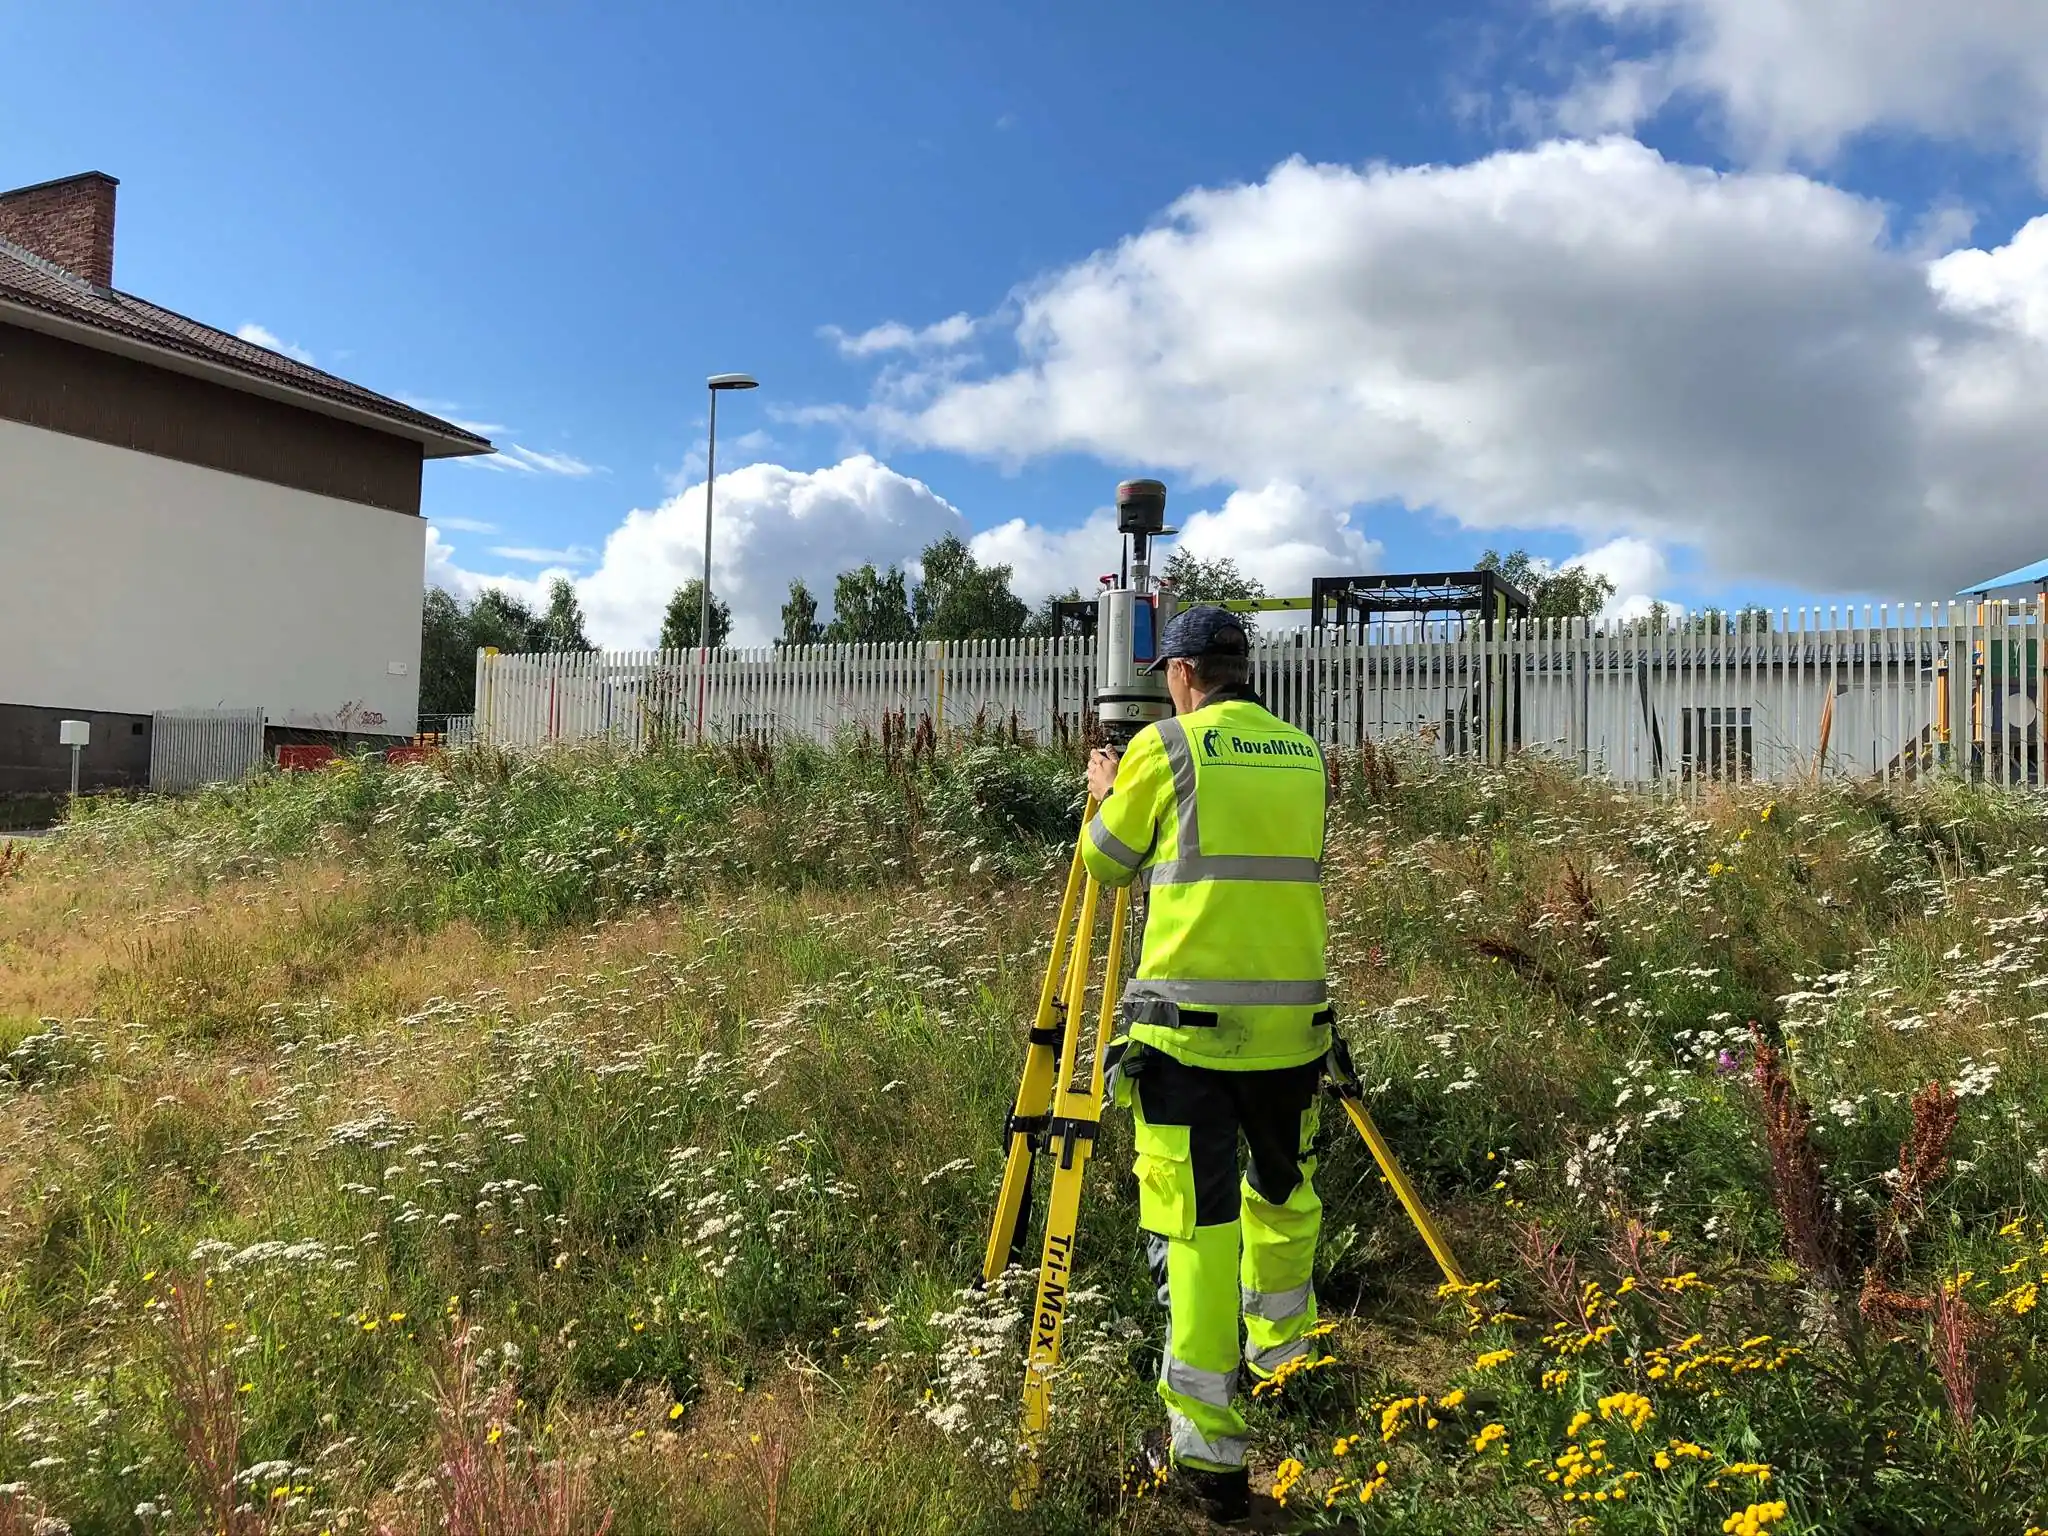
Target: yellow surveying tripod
{"points": [[1058, 1111]]}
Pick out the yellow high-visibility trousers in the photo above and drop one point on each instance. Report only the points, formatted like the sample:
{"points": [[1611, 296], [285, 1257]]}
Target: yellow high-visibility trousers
{"points": [[1233, 1253]]}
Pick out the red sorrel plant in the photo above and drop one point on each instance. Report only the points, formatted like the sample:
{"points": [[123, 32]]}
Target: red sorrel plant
{"points": [[1812, 1240], [771, 1463], [1923, 1158], [1647, 1258], [18, 1519], [491, 1482], [203, 1412], [1955, 1328], [1555, 1272]]}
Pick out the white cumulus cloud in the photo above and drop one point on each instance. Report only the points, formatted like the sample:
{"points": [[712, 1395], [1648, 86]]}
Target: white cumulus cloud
{"points": [[771, 524], [1795, 79], [1582, 335], [445, 570], [1639, 570], [895, 336], [1283, 535], [1045, 560], [263, 336]]}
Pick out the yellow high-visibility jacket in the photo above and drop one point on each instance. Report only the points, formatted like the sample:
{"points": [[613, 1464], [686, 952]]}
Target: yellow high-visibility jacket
{"points": [[1220, 813]]}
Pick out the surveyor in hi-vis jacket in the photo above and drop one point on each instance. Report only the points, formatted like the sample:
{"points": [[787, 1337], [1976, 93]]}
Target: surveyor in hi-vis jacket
{"points": [[1218, 812]]}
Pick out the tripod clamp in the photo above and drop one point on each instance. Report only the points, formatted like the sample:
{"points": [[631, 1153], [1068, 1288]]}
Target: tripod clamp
{"points": [[1340, 1077]]}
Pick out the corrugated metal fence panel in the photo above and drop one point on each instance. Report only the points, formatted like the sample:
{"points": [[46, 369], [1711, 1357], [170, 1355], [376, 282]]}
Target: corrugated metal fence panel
{"points": [[192, 747]]}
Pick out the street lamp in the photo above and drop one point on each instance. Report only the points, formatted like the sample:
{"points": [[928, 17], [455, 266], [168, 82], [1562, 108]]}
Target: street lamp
{"points": [[717, 383]]}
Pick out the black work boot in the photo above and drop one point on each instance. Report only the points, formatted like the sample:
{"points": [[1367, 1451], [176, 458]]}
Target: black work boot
{"points": [[1225, 1497]]}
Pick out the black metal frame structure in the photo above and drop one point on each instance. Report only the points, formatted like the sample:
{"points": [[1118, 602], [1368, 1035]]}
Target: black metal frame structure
{"points": [[1491, 712], [1347, 600], [1341, 601]]}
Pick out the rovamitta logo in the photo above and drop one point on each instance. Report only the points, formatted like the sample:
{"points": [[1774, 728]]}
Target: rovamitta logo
{"points": [[1218, 743]]}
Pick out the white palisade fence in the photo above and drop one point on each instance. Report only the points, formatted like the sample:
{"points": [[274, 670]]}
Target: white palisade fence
{"points": [[1884, 692], [643, 699]]}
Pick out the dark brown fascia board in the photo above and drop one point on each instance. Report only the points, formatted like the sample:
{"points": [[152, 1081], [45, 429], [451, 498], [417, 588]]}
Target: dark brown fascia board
{"points": [[433, 445]]}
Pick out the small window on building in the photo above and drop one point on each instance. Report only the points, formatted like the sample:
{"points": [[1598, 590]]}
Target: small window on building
{"points": [[1718, 743], [134, 727]]}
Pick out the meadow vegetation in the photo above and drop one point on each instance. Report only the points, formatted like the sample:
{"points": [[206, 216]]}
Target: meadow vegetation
{"points": [[584, 1142]]}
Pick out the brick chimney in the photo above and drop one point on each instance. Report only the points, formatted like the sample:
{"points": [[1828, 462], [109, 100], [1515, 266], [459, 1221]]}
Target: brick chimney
{"points": [[69, 222]]}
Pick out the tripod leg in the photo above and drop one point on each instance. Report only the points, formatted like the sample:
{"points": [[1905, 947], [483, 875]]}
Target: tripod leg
{"points": [[1382, 1154], [1026, 1130], [1077, 1116]]}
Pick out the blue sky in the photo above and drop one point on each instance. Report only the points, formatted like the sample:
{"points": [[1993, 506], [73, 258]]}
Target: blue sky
{"points": [[1731, 303]]}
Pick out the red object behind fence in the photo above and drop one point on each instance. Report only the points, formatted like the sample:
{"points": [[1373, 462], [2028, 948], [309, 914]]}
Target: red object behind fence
{"points": [[300, 759]]}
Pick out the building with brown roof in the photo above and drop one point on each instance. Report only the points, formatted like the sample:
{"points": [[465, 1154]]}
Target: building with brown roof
{"points": [[187, 520]]}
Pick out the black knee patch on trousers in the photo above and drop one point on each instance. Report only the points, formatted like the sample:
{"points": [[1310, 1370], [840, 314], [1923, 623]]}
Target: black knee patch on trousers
{"points": [[1265, 1108]]}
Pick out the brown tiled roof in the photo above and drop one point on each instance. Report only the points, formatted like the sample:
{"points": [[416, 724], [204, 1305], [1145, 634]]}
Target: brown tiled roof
{"points": [[28, 280]]}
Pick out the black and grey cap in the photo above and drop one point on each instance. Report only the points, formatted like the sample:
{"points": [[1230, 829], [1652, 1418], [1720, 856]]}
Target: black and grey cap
{"points": [[1204, 630]]}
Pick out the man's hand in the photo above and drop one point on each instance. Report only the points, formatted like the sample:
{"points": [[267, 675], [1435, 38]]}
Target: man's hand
{"points": [[1102, 772]]}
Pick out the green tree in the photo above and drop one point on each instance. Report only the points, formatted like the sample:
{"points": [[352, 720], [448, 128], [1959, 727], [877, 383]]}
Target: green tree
{"points": [[800, 624], [1556, 592], [1751, 619], [869, 607], [562, 627], [447, 657], [959, 598], [499, 619], [1211, 581], [685, 609]]}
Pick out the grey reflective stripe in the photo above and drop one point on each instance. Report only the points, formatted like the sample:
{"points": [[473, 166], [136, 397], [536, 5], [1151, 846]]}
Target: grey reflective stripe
{"points": [[1181, 757], [1267, 1361], [1234, 994], [1277, 1306], [1113, 847], [1211, 1387], [1234, 866], [1155, 1260], [1190, 1444]]}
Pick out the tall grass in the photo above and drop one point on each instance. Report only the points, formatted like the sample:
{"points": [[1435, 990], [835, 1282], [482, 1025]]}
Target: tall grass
{"points": [[697, 1164], [535, 842]]}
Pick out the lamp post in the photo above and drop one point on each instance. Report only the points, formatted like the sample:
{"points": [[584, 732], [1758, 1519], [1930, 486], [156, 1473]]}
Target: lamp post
{"points": [[717, 382]]}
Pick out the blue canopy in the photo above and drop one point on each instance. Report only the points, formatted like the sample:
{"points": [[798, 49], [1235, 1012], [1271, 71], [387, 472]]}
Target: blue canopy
{"points": [[2024, 582]]}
